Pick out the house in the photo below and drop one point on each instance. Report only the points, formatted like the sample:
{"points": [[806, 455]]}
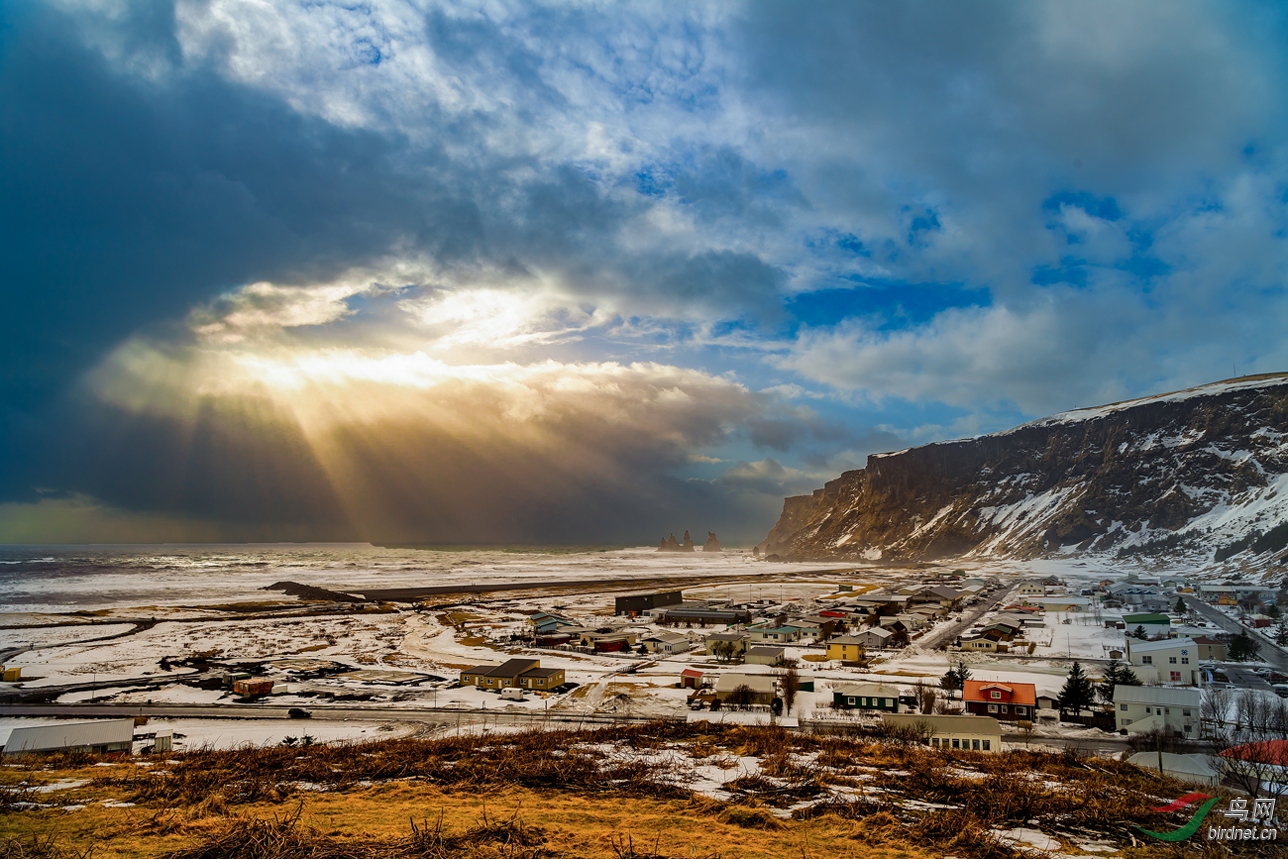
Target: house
{"points": [[690, 678], [963, 733], [1170, 660], [847, 648], [667, 642], [1264, 761], [513, 674], [1030, 588], [545, 623], [816, 626], [764, 655], [1010, 701], [101, 737], [1048, 701], [946, 596], [1210, 650], [738, 640], [640, 603], [776, 634], [1140, 709], [1060, 603], [875, 638], [1155, 624], [866, 696], [593, 637], [984, 644], [541, 679], [762, 686]]}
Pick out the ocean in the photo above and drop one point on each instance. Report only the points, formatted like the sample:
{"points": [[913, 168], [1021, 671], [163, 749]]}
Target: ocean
{"points": [[52, 579]]}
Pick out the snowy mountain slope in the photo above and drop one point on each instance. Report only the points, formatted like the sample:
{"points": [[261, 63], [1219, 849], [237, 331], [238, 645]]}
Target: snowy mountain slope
{"points": [[1175, 476]]}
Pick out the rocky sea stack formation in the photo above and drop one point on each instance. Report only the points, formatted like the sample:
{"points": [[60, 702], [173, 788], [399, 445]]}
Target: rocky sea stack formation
{"points": [[670, 544], [1199, 475], [712, 544]]}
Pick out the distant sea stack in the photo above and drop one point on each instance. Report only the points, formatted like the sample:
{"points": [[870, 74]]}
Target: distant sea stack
{"points": [[670, 544], [712, 544], [1199, 477]]}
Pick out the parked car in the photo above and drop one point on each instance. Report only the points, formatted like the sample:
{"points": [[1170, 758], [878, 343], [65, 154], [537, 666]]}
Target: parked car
{"points": [[299, 713]]}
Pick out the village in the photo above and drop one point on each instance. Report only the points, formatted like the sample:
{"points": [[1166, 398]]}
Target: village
{"points": [[965, 659]]}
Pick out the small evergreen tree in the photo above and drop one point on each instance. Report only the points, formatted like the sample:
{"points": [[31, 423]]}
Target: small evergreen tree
{"points": [[963, 674], [950, 682], [1116, 674], [1179, 608], [1281, 631], [1244, 648], [1140, 633], [1078, 693]]}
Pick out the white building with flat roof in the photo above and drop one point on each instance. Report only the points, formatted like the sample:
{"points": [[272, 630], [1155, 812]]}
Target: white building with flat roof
{"points": [[1174, 661]]}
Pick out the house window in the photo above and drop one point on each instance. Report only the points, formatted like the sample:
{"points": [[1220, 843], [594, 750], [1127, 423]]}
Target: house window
{"points": [[1020, 711], [1148, 711], [934, 741], [1172, 660], [1185, 713], [850, 701], [1185, 660], [957, 744], [987, 744], [996, 696], [1176, 676], [974, 744], [992, 708]]}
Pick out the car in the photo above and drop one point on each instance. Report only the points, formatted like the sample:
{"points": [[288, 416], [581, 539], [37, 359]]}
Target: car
{"points": [[298, 713], [565, 687]]}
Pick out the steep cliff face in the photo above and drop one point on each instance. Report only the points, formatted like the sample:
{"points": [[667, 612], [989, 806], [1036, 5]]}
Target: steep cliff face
{"points": [[1174, 475]]}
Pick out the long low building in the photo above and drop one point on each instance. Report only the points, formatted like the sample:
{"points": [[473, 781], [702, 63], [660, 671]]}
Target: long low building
{"points": [[513, 674], [963, 733], [104, 736]]}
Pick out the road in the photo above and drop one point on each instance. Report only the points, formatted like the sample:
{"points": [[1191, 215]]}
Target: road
{"points": [[937, 639], [1271, 653]]}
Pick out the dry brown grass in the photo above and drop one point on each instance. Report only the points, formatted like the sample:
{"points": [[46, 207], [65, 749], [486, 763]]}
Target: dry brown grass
{"points": [[564, 796]]}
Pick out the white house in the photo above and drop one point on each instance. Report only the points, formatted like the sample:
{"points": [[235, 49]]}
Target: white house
{"points": [[667, 642], [1139, 709], [1173, 661]]}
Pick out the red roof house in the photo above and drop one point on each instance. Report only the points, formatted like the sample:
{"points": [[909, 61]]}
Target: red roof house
{"points": [[1000, 700]]}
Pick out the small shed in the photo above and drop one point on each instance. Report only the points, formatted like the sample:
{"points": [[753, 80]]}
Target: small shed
{"points": [[690, 678]]}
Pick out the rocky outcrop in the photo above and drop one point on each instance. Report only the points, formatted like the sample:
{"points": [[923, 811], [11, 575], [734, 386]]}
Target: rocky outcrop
{"points": [[712, 544], [1173, 475], [671, 545]]}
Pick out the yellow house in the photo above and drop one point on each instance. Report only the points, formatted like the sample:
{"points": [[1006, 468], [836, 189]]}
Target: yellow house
{"points": [[1226, 599], [846, 648]]}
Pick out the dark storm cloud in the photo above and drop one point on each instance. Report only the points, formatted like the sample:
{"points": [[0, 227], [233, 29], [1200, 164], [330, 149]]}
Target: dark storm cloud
{"points": [[125, 199]]}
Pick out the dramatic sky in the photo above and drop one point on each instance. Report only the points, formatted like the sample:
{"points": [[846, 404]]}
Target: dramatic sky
{"points": [[507, 272]]}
